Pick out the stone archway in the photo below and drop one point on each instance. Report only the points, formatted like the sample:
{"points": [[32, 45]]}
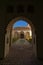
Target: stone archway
{"points": [[9, 28]]}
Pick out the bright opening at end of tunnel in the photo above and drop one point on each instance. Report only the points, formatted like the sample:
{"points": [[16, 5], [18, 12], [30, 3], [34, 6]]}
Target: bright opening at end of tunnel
{"points": [[21, 29]]}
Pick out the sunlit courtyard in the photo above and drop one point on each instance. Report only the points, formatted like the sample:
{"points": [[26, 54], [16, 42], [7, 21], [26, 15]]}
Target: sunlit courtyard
{"points": [[22, 30]]}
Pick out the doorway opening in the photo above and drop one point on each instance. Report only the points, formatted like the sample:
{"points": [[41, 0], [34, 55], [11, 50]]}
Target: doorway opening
{"points": [[22, 35]]}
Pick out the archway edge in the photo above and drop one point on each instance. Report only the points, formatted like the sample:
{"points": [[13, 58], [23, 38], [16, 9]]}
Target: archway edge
{"points": [[9, 26]]}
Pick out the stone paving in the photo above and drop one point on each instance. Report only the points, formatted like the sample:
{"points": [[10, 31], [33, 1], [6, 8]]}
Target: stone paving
{"points": [[21, 55]]}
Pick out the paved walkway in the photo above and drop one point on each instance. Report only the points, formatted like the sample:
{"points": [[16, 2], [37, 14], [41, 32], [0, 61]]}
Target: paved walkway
{"points": [[20, 54]]}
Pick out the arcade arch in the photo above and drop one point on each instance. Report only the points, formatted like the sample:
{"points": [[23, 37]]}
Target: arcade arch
{"points": [[8, 35]]}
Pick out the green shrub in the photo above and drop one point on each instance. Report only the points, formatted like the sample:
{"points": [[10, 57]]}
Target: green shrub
{"points": [[30, 40], [14, 39]]}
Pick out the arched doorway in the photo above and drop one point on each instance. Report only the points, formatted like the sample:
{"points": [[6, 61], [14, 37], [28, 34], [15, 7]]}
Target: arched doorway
{"points": [[9, 31], [22, 34]]}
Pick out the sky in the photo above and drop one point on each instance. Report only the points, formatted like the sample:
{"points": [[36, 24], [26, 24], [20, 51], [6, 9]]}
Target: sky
{"points": [[20, 23]]}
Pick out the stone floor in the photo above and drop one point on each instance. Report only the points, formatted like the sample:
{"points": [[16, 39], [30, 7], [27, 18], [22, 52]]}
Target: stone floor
{"points": [[21, 55]]}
